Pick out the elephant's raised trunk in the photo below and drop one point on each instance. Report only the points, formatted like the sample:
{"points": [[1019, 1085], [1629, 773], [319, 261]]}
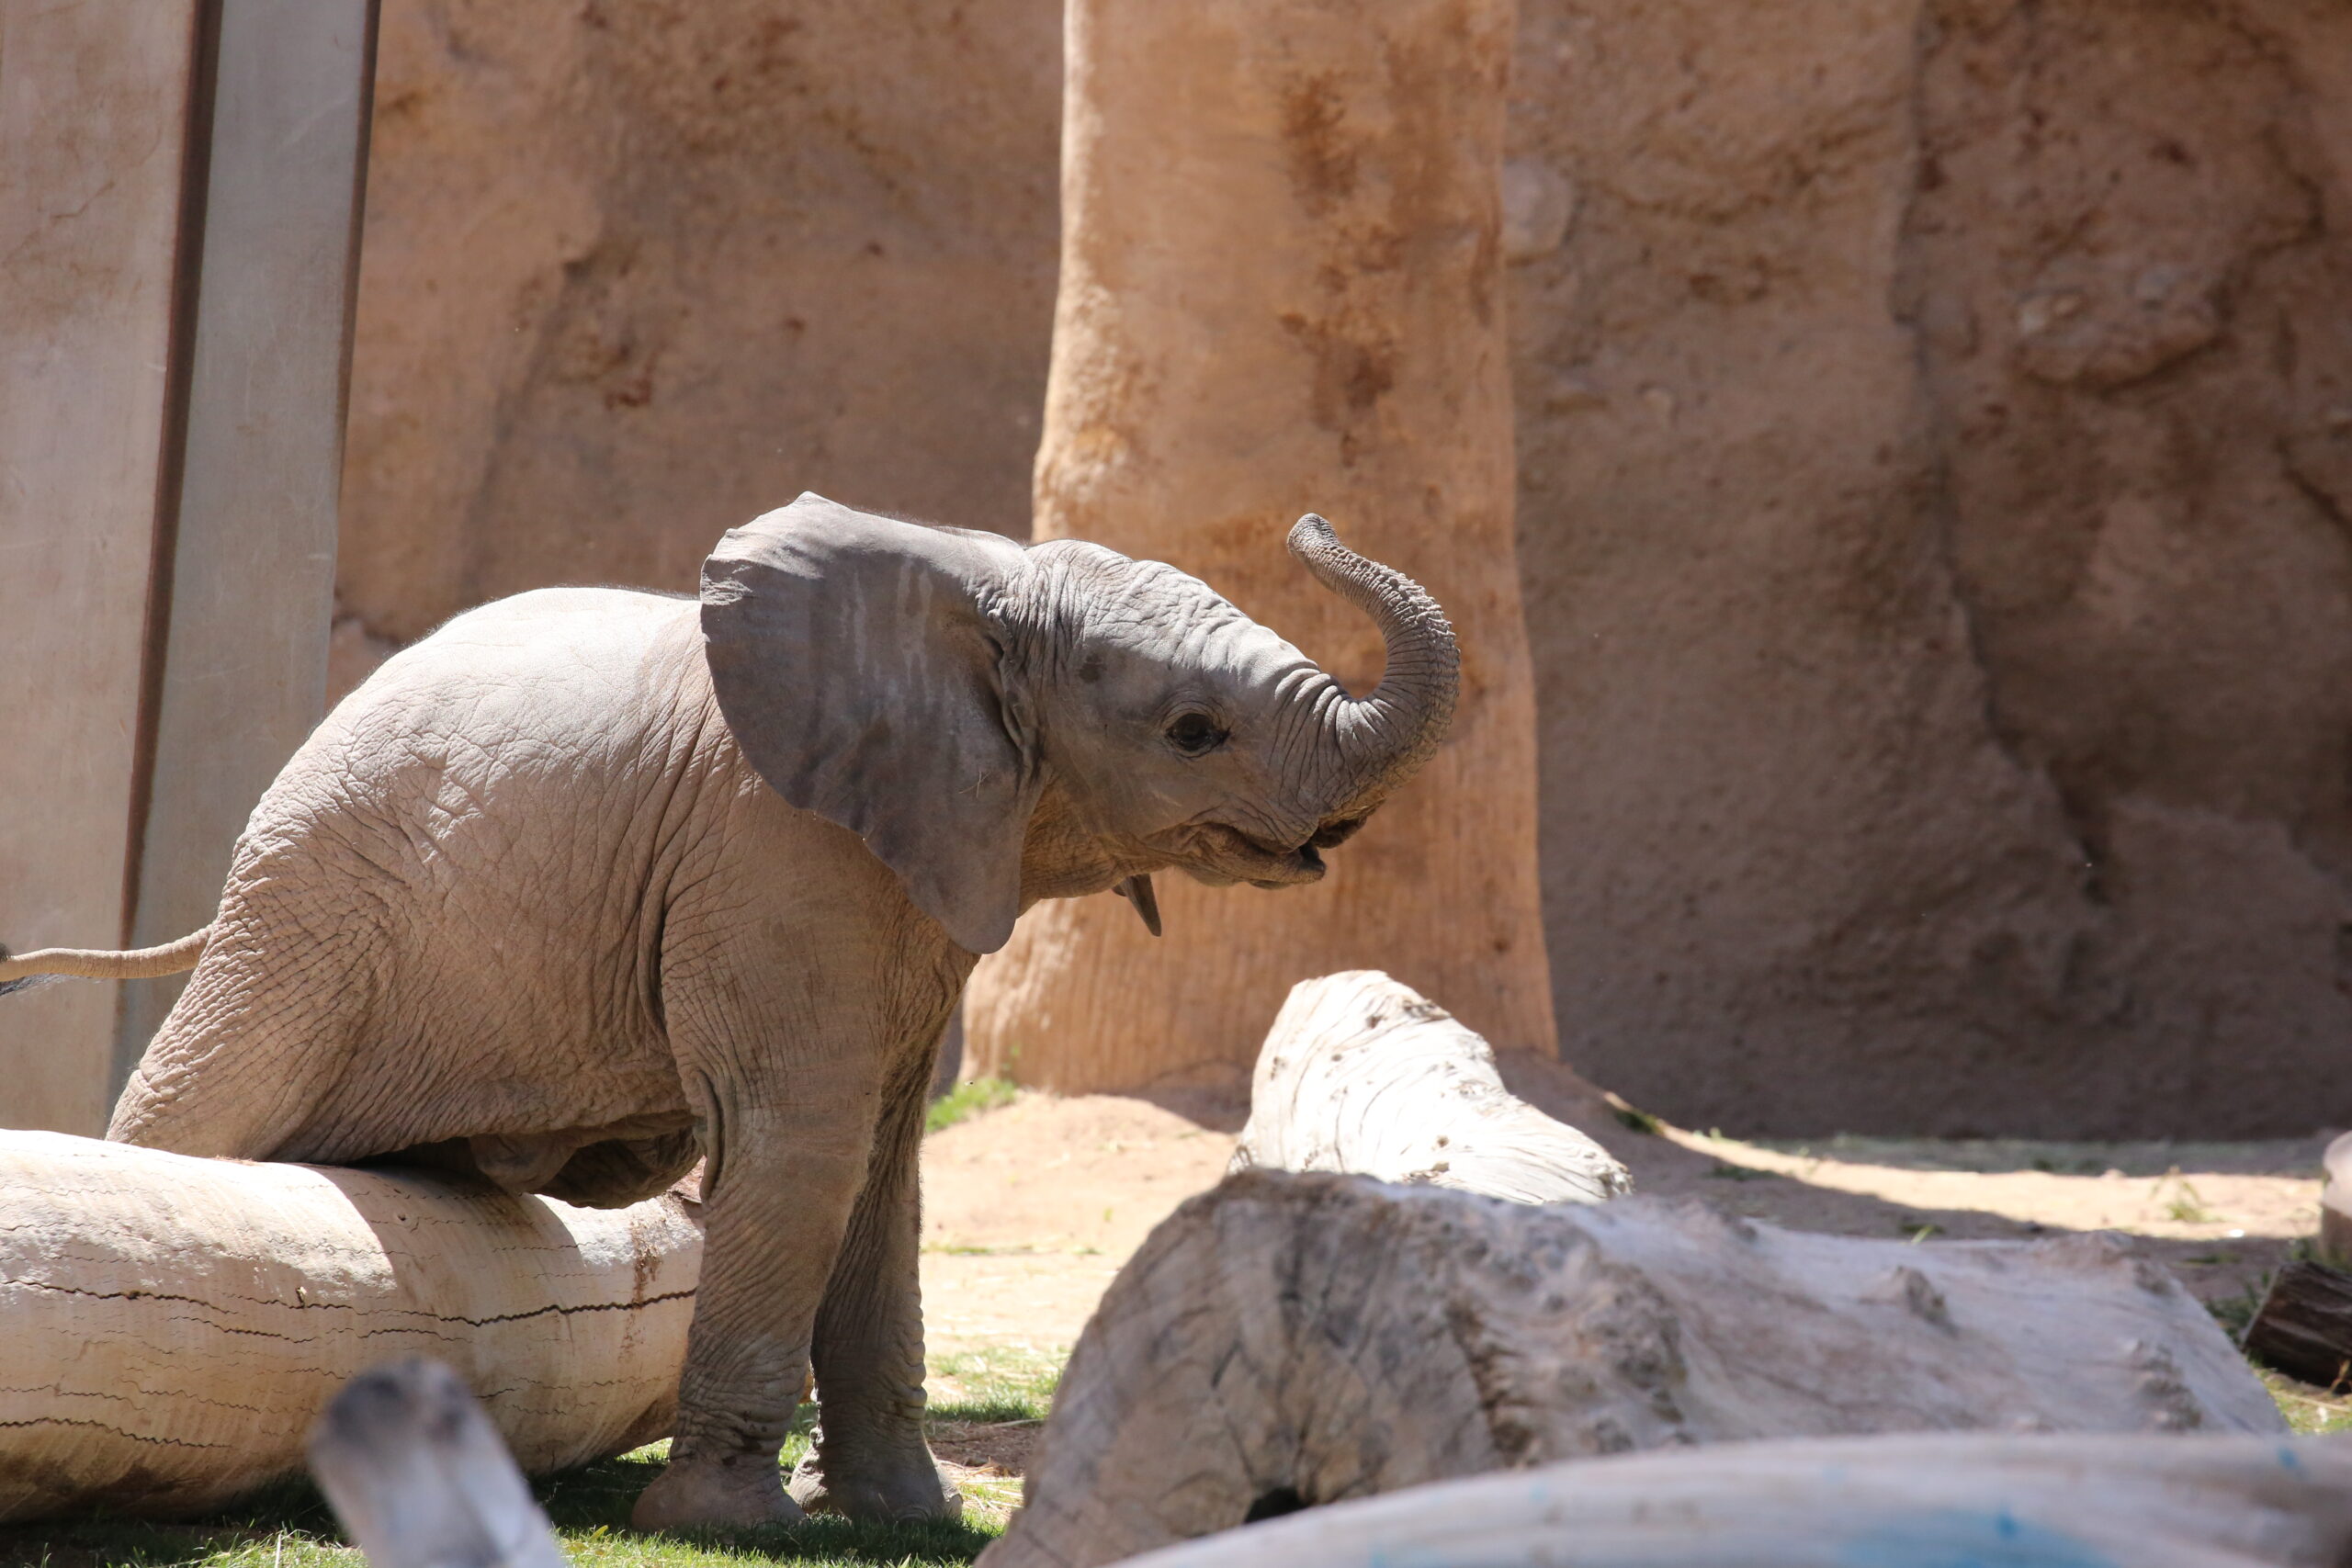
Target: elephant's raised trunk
{"points": [[1382, 740]]}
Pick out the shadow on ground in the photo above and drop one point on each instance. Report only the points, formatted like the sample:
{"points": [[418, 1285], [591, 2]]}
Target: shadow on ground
{"points": [[2176, 1201], [2179, 1201]]}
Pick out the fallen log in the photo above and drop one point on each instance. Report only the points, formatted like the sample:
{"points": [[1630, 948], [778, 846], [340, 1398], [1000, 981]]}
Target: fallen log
{"points": [[173, 1324], [2305, 1325], [2336, 1204], [1288, 1340], [419, 1478], [1362, 1074], [2048, 1502]]}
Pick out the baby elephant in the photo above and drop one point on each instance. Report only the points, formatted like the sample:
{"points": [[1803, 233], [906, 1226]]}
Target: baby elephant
{"points": [[591, 884]]}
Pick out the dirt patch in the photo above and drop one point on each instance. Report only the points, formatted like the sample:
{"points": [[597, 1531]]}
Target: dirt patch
{"points": [[990, 1448], [1031, 1210]]}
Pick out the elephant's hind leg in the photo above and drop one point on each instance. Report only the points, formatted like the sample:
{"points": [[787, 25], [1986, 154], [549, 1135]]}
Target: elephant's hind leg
{"points": [[239, 1066]]}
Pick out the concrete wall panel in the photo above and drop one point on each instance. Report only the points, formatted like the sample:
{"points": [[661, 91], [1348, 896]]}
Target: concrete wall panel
{"points": [[93, 115]]}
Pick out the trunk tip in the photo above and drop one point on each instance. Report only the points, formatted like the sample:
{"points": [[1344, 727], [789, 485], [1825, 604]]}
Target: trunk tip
{"points": [[1311, 531]]}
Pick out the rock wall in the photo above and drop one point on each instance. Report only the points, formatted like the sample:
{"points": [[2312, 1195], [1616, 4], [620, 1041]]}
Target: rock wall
{"points": [[1935, 427], [1933, 480], [637, 270]]}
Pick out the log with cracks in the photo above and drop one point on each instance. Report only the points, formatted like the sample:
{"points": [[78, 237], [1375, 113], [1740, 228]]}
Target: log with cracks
{"points": [[173, 1324]]}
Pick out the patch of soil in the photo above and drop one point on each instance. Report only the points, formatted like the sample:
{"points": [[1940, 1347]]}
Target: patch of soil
{"points": [[995, 1448], [1029, 1211]]}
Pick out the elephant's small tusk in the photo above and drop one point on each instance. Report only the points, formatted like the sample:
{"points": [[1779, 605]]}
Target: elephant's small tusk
{"points": [[1137, 890]]}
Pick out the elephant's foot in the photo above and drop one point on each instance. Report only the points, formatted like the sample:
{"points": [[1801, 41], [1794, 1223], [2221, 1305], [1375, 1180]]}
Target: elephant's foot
{"points": [[741, 1489], [908, 1486]]}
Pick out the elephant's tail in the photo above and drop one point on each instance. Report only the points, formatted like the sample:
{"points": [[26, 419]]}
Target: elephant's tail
{"points": [[97, 963]]}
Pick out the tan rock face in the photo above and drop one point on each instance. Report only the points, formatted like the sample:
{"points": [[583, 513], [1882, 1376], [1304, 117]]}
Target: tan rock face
{"points": [[1938, 589], [1935, 447], [635, 273]]}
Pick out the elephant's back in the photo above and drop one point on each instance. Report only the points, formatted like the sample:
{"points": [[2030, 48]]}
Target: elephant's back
{"points": [[519, 752], [580, 661], [549, 693]]}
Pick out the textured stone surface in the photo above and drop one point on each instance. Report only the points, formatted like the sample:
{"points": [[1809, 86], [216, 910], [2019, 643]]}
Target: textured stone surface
{"points": [[1935, 432], [634, 273], [1939, 589]]}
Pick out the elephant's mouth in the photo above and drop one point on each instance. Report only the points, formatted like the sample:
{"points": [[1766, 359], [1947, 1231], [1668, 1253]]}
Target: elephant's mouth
{"points": [[1308, 859], [1220, 856]]}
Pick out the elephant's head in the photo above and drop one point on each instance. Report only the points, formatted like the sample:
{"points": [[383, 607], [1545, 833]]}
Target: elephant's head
{"points": [[979, 710]]}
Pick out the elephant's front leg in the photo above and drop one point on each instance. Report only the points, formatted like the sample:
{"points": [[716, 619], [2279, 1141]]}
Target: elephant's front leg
{"points": [[784, 1175], [871, 1460]]}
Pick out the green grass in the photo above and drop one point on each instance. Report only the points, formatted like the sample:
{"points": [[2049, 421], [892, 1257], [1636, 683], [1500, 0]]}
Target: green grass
{"points": [[968, 1099], [2314, 1412], [290, 1524], [290, 1528], [1004, 1383]]}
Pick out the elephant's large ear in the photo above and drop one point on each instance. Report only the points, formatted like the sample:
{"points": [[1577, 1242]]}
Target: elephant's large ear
{"points": [[859, 662]]}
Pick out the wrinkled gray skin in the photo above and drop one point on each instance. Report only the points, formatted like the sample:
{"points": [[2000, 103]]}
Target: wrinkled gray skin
{"points": [[591, 884]]}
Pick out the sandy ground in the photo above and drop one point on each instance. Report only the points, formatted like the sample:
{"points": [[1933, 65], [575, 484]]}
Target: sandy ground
{"points": [[1030, 1210]]}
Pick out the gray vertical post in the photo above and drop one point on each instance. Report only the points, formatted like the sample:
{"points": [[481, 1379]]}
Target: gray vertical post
{"points": [[237, 674]]}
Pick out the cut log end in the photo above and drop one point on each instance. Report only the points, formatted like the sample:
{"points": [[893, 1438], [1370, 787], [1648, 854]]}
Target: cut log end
{"points": [[2304, 1325], [1362, 1074]]}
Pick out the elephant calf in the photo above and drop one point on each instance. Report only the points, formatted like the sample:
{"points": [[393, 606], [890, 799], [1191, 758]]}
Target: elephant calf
{"points": [[591, 884]]}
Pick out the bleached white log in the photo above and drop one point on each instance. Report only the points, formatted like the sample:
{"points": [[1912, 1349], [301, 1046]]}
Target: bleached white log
{"points": [[2335, 1204], [169, 1327], [1909, 1502], [1361, 1073], [1290, 1340], [419, 1478]]}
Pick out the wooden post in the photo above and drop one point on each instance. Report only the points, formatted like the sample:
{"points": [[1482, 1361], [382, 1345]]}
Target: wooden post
{"points": [[419, 1478], [1281, 292], [93, 112], [237, 669], [2304, 1325]]}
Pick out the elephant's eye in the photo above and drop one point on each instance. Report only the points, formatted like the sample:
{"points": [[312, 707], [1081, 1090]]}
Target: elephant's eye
{"points": [[1194, 734]]}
